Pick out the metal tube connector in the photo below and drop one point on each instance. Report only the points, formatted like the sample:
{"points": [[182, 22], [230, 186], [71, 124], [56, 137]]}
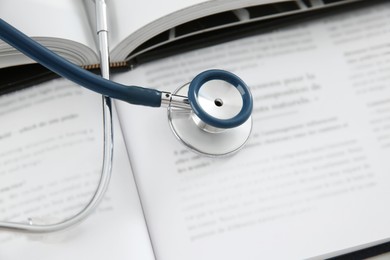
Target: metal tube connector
{"points": [[171, 100]]}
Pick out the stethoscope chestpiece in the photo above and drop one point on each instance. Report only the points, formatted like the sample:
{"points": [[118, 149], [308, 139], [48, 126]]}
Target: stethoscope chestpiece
{"points": [[219, 122]]}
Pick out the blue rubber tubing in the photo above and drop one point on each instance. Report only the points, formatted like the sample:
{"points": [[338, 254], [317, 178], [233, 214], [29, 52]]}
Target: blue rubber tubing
{"points": [[131, 94]]}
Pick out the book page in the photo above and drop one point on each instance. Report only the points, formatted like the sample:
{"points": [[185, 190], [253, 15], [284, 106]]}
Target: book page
{"points": [[127, 17], [313, 179], [133, 24], [50, 163], [61, 25]]}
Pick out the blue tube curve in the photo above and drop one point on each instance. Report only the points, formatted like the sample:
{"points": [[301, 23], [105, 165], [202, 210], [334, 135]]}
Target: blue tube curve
{"points": [[131, 94]]}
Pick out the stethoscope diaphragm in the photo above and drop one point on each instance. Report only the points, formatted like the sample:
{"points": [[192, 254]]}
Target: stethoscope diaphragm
{"points": [[219, 121]]}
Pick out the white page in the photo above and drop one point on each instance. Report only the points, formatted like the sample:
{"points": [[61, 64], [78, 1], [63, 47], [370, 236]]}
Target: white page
{"points": [[37, 124], [64, 20], [313, 178], [126, 17]]}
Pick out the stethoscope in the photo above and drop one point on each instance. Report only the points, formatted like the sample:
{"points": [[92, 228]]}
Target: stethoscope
{"points": [[219, 102], [211, 115]]}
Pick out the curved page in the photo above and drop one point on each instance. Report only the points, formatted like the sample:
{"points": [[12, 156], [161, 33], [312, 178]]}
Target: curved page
{"points": [[313, 179], [50, 162]]}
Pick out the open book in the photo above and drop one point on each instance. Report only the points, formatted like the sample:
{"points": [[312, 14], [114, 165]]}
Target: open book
{"points": [[311, 182], [68, 27], [139, 32]]}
